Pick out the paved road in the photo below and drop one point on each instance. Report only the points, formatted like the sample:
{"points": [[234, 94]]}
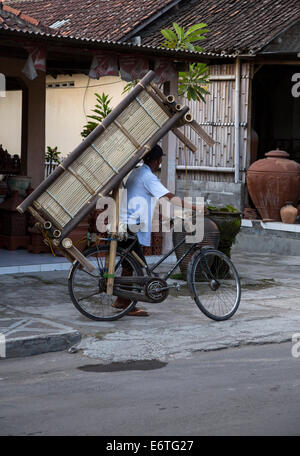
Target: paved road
{"points": [[38, 304], [251, 390]]}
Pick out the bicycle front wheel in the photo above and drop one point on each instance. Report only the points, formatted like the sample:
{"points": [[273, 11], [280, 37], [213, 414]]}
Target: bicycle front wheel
{"points": [[215, 284], [88, 290]]}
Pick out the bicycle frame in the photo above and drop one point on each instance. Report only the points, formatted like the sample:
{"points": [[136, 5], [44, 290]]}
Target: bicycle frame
{"points": [[150, 270]]}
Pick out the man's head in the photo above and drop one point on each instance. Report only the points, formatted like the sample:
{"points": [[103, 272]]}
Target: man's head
{"points": [[154, 157]]}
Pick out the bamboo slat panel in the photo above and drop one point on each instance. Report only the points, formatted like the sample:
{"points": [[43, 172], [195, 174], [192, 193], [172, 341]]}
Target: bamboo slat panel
{"points": [[217, 117], [100, 161]]}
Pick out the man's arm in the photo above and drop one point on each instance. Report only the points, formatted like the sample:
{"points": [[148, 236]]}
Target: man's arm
{"points": [[177, 201]]}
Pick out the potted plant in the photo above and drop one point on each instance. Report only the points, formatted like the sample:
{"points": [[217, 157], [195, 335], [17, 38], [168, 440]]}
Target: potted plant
{"points": [[228, 219], [52, 155], [52, 159]]}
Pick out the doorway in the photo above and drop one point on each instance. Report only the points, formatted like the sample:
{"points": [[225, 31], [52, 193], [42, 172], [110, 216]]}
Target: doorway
{"points": [[14, 120], [276, 112]]}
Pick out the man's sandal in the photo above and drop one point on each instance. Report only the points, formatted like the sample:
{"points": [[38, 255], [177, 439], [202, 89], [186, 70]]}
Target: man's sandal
{"points": [[137, 312]]}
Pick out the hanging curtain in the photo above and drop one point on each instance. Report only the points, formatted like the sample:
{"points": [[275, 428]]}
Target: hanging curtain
{"points": [[164, 71], [104, 64], [133, 67], [36, 61]]}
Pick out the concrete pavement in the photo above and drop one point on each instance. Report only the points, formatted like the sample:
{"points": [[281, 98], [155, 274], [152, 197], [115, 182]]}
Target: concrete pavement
{"points": [[37, 315]]}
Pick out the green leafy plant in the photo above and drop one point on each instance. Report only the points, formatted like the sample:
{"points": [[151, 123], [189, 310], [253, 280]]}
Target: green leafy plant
{"points": [[52, 155], [178, 276], [130, 86], [227, 208], [181, 39], [228, 220], [193, 83], [102, 109]]}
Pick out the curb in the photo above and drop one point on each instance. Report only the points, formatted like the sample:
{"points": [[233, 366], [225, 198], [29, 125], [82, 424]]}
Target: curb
{"points": [[36, 345], [61, 265], [20, 337]]}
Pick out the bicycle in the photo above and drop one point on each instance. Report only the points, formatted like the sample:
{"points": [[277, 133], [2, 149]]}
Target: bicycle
{"points": [[212, 280]]}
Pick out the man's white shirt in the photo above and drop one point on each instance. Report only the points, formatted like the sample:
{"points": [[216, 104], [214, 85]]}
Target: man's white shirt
{"points": [[143, 191]]}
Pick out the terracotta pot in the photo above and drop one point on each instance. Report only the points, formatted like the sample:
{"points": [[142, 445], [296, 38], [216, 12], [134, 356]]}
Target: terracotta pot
{"points": [[288, 213], [271, 182]]}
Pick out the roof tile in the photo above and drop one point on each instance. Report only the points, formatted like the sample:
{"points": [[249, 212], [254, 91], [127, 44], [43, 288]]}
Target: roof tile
{"points": [[29, 19], [11, 10], [234, 25], [100, 19], [13, 19]]}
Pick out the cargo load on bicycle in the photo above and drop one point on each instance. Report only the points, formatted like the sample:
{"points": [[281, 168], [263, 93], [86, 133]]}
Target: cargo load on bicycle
{"points": [[103, 159], [96, 168]]}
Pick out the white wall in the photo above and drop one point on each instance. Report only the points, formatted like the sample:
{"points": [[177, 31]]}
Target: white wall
{"points": [[10, 122], [66, 108], [65, 111]]}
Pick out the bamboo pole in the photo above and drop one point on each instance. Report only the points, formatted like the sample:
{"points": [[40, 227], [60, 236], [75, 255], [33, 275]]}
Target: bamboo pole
{"points": [[202, 133], [237, 122], [71, 253], [77, 255], [164, 98], [217, 169], [185, 140], [113, 243], [166, 109]]}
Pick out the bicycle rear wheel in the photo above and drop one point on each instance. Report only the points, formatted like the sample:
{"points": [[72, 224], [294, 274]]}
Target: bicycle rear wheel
{"points": [[214, 284], [88, 290]]}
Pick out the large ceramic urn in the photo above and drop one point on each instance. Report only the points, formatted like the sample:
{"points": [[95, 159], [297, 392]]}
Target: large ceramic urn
{"points": [[272, 182]]}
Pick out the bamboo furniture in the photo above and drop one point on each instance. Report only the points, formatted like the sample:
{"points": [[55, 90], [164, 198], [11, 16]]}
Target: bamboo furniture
{"points": [[98, 165]]}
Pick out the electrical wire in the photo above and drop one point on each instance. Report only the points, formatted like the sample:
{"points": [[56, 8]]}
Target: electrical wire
{"points": [[84, 97], [84, 87], [89, 87]]}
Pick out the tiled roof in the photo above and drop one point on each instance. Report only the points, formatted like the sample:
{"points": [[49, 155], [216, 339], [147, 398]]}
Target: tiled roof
{"points": [[96, 19], [14, 19], [15, 22], [234, 25]]}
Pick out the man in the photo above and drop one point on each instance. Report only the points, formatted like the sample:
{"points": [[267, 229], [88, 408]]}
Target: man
{"points": [[142, 186]]}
